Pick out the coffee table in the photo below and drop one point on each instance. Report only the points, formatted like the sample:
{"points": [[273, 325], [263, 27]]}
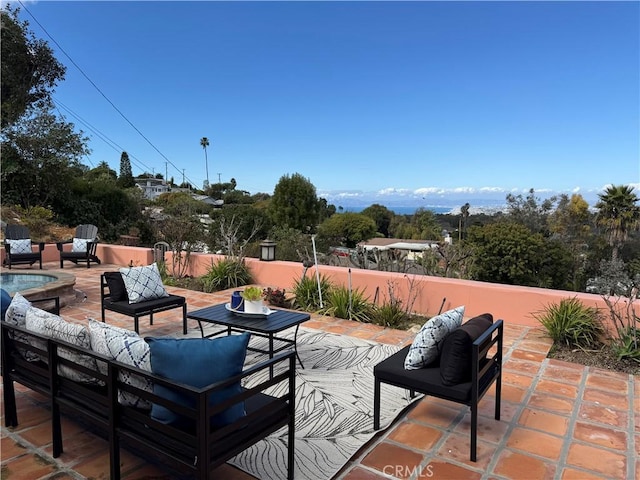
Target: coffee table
{"points": [[263, 326]]}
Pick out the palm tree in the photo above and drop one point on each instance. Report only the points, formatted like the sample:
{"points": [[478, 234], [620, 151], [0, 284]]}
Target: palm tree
{"points": [[618, 214], [204, 142]]}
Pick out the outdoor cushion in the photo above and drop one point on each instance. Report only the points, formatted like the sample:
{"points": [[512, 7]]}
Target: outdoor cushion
{"points": [[117, 290], [455, 360], [427, 345], [15, 315], [5, 301], [131, 309], [19, 246], [127, 347], [198, 362], [53, 326], [143, 283], [80, 244]]}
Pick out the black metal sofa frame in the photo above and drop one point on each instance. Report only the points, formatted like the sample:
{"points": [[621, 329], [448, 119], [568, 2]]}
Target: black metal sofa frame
{"points": [[137, 310], [486, 369], [196, 448]]}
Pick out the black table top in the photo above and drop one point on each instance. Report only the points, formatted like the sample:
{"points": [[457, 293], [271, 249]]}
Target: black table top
{"points": [[275, 322]]}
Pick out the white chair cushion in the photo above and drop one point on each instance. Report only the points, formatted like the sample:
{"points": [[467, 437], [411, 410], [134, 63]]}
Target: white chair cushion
{"points": [[143, 283], [20, 246]]}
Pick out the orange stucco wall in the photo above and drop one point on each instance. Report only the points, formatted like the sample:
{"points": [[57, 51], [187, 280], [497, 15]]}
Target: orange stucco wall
{"points": [[512, 303]]}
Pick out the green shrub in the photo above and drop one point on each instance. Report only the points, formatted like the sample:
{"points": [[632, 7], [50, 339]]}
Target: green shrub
{"points": [[627, 345], [226, 273], [306, 293], [572, 323], [339, 305], [389, 314]]}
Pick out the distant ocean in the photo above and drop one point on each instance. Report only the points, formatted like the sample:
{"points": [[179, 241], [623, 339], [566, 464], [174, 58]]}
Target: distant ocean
{"points": [[404, 210]]}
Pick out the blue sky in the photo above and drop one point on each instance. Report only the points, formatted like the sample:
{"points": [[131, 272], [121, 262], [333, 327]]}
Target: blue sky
{"points": [[410, 103]]}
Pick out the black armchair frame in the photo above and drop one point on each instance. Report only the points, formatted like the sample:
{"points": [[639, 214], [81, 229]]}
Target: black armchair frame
{"points": [[88, 232], [486, 369], [20, 232]]}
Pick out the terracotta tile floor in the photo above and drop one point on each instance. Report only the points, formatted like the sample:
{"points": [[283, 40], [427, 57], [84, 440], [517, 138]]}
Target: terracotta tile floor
{"points": [[558, 420]]}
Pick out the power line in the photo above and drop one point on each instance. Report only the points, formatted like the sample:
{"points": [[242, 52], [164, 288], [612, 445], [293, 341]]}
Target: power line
{"points": [[103, 137], [101, 92]]}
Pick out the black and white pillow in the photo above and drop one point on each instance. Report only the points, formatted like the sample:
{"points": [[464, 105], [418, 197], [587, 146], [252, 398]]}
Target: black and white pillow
{"points": [[143, 283], [19, 246], [427, 345], [127, 347], [80, 244], [16, 315], [53, 326]]}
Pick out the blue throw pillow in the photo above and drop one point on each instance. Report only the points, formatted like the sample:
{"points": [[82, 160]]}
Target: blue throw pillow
{"points": [[198, 362], [5, 300]]}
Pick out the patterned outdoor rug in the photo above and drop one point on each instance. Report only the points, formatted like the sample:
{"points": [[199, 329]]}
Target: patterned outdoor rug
{"points": [[334, 407]]}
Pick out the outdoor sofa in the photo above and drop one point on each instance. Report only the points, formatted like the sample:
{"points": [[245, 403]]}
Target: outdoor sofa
{"points": [[107, 394]]}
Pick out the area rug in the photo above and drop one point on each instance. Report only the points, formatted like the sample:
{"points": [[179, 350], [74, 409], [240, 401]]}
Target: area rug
{"points": [[334, 407]]}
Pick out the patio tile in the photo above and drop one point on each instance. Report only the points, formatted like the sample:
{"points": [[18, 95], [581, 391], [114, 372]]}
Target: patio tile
{"points": [[512, 393], [431, 413], [416, 436], [359, 473], [78, 447], [560, 370], [538, 443], [448, 471], [531, 356], [97, 466], [27, 467], [573, 474], [388, 458], [599, 435], [603, 414], [457, 448], [557, 388], [598, 460], [602, 397], [522, 366], [489, 429], [608, 381], [554, 404], [544, 421], [517, 379], [10, 449], [514, 465]]}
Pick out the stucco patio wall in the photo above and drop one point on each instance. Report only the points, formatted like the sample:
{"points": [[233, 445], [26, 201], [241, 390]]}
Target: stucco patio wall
{"points": [[512, 303]]}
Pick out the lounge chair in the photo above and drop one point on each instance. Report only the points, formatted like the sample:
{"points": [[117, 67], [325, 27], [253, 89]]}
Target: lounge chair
{"points": [[83, 246], [18, 246]]}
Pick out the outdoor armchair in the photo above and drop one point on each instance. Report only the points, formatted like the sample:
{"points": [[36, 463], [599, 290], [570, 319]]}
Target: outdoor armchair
{"points": [[18, 247], [83, 246]]}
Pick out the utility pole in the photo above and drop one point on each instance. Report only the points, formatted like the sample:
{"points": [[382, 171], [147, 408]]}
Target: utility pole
{"points": [[220, 185]]}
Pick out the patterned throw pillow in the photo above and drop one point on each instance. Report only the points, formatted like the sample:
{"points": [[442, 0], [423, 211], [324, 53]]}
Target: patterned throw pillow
{"points": [[53, 326], [127, 347], [80, 244], [16, 315], [143, 283], [19, 246], [427, 345]]}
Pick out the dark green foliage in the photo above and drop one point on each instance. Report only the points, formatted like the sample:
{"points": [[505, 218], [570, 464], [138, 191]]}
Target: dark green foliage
{"points": [[390, 314], [618, 214], [294, 203], [291, 245], [351, 307], [226, 273], [29, 69], [347, 229], [572, 323], [627, 345], [381, 215], [508, 253], [125, 180], [307, 295]]}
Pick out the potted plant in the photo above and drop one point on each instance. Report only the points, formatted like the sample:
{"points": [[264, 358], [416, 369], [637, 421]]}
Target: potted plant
{"points": [[253, 300]]}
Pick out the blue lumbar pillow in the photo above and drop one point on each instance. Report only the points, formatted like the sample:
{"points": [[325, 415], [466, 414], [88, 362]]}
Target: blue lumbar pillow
{"points": [[198, 362], [5, 300]]}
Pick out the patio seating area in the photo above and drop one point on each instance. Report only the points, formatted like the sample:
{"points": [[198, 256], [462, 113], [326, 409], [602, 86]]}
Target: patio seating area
{"points": [[558, 420]]}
